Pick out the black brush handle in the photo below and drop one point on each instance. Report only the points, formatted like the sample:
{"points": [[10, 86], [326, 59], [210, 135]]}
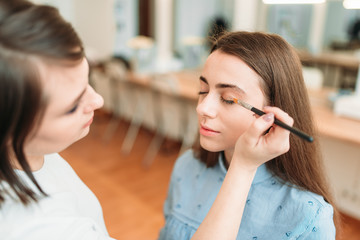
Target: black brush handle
{"points": [[294, 130]]}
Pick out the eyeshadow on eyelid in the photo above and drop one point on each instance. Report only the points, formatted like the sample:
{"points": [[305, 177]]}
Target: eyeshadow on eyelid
{"points": [[233, 94]]}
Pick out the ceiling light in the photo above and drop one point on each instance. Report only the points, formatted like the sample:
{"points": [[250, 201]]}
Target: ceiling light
{"points": [[351, 4], [293, 1]]}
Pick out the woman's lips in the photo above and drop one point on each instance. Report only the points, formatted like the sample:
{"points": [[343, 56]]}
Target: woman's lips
{"points": [[89, 122], [205, 131]]}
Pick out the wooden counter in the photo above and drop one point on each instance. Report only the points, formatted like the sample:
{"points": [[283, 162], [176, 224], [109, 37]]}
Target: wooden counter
{"points": [[184, 84], [335, 58], [340, 68], [330, 124]]}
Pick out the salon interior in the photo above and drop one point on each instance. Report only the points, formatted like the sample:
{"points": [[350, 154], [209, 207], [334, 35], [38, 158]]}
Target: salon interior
{"points": [[146, 57]]}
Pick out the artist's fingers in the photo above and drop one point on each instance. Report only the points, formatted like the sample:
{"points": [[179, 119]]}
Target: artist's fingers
{"points": [[279, 137], [280, 115], [258, 128]]}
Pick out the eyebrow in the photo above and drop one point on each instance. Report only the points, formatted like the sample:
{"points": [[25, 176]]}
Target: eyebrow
{"points": [[224, 85]]}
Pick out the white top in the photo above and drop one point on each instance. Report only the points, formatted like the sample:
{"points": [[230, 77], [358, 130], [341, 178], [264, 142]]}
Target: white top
{"points": [[71, 211]]}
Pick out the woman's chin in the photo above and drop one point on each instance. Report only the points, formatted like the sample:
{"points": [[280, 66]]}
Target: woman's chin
{"points": [[84, 133], [210, 146]]}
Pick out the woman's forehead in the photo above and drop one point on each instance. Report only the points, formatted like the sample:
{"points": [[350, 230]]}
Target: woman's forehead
{"points": [[231, 69]]}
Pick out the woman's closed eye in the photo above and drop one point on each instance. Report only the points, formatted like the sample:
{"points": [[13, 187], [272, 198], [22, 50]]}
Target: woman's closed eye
{"points": [[73, 109], [226, 100]]}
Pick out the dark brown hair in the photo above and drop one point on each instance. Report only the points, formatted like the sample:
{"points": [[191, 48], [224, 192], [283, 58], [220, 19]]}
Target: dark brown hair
{"points": [[279, 67], [28, 33]]}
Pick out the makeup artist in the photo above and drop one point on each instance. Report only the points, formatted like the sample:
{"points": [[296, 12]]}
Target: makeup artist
{"points": [[46, 104]]}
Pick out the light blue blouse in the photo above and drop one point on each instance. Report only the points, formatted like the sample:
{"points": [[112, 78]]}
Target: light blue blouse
{"points": [[273, 210]]}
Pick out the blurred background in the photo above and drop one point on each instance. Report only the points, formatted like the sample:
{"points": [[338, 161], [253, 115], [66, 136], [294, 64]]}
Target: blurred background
{"points": [[146, 57]]}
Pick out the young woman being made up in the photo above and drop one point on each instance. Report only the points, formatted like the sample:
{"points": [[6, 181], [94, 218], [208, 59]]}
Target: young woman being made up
{"points": [[289, 196], [46, 104]]}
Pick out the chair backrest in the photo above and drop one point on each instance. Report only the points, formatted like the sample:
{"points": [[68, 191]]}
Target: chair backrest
{"points": [[122, 92], [116, 70], [165, 83]]}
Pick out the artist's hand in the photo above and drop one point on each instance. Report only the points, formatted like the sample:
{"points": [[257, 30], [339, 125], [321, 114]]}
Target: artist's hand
{"points": [[255, 147]]}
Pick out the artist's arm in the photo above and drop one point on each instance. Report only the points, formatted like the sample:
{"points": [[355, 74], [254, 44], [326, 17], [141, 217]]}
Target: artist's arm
{"points": [[252, 149]]}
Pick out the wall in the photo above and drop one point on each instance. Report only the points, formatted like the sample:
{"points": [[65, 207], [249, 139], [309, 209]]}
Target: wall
{"points": [[291, 22], [65, 7], [93, 20], [338, 20], [193, 18], [126, 20]]}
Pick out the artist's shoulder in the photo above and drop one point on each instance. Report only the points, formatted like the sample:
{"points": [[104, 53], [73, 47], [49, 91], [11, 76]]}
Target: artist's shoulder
{"points": [[54, 157], [55, 161]]}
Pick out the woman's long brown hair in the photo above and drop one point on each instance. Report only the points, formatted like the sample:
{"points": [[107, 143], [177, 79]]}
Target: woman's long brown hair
{"points": [[27, 32], [279, 67]]}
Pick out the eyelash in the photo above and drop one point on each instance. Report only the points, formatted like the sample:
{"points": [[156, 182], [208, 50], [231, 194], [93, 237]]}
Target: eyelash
{"points": [[73, 109], [221, 98], [226, 101]]}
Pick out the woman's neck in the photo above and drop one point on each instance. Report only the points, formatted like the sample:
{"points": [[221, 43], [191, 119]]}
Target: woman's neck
{"points": [[35, 163], [227, 156]]}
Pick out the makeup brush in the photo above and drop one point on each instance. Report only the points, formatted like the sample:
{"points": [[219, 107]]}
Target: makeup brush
{"points": [[294, 130]]}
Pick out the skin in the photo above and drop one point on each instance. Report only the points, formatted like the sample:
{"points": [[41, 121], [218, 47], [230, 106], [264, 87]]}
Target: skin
{"points": [[222, 122], [70, 110]]}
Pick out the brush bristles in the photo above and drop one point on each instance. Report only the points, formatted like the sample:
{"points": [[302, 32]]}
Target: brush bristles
{"points": [[244, 104]]}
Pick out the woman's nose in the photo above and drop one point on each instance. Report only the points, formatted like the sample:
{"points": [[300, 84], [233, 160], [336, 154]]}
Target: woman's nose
{"points": [[96, 101], [207, 107]]}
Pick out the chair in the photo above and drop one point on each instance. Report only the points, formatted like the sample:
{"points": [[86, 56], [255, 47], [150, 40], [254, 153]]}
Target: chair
{"points": [[174, 115], [131, 101], [117, 94]]}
